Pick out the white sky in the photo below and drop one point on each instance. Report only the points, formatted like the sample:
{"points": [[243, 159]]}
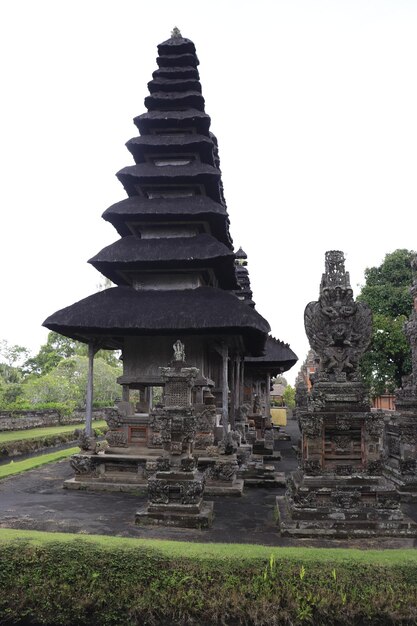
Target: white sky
{"points": [[314, 104]]}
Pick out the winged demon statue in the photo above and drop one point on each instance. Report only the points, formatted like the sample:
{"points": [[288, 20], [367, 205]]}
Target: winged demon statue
{"points": [[338, 328]]}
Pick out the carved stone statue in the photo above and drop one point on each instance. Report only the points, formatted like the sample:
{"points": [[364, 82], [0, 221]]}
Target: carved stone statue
{"points": [[338, 328], [179, 352]]}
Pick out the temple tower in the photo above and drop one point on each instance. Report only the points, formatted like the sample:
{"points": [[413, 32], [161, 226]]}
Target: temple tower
{"points": [[174, 265]]}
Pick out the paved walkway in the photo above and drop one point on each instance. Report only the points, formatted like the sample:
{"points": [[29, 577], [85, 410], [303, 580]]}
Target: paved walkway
{"points": [[36, 500]]}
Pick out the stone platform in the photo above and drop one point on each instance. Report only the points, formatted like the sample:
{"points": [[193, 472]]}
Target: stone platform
{"points": [[181, 518]]}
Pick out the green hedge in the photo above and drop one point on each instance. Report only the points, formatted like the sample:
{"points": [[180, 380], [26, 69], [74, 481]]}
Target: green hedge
{"points": [[109, 581]]}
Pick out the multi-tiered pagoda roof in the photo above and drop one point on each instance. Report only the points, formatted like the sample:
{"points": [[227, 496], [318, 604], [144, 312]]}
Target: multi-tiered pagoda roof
{"points": [[174, 264]]}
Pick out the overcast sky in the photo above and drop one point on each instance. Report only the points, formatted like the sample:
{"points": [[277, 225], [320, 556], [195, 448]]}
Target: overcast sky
{"points": [[314, 104]]}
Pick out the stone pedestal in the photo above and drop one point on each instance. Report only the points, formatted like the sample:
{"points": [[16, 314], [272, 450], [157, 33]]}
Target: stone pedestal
{"points": [[339, 489], [401, 431], [401, 444], [176, 488]]}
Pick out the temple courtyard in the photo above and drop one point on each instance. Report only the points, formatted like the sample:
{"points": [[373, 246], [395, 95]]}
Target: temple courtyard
{"points": [[36, 500]]}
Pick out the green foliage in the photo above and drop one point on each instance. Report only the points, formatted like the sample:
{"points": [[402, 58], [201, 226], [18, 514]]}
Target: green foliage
{"points": [[139, 582], [386, 291], [289, 397], [66, 384]]}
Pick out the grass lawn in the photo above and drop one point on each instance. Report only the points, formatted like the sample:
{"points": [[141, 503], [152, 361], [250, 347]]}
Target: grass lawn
{"points": [[208, 551], [16, 467], [37, 433]]}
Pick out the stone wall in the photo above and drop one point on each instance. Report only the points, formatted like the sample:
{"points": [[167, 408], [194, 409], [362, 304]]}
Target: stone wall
{"points": [[23, 420]]}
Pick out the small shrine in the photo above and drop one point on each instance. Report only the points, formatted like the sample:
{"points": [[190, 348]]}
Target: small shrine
{"points": [[175, 486], [401, 427], [339, 489]]}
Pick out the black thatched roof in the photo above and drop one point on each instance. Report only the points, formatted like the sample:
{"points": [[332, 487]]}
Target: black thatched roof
{"points": [[241, 254], [175, 253], [173, 99], [177, 120], [147, 175], [177, 60], [121, 311], [174, 84], [278, 357], [167, 145], [196, 208], [176, 72], [176, 45]]}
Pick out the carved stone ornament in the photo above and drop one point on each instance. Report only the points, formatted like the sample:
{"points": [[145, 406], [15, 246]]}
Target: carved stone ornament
{"points": [[85, 442], [393, 445], [338, 328], [408, 466], [117, 439], [342, 442], [204, 440], [344, 470], [150, 469], [374, 426], [346, 499], [408, 433], [342, 423], [192, 491], [82, 464], [223, 470], [311, 425], [375, 467], [206, 419], [179, 351], [113, 418], [158, 491], [312, 467]]}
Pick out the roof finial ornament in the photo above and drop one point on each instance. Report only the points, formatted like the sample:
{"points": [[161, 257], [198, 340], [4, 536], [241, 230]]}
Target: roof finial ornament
{"points": [[176, 33]]}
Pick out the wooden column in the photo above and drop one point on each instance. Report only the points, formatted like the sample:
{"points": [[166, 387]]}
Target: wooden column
{"points": [[232, 379], [225, 389], [268, 399], [242, 381], [237, 384], [92, 349], [125, 393]]}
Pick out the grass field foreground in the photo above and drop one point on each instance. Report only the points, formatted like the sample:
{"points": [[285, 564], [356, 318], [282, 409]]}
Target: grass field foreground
{"points": [[135, 581], [17, 467]]}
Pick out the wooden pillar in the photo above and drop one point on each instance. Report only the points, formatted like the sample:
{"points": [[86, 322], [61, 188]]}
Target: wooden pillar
{"points": [[125, 393], [268, 394], [232, 379], [242, 381], [225, 389], [89, 396], [237, 384]]}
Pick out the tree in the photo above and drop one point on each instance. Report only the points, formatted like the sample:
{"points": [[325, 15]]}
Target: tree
{"points": [[58, 347], [67, 382], [289, 397], [386, 291]]}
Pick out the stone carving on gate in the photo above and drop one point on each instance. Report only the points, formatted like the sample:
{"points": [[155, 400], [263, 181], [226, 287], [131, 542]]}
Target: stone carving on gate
{"points": [[311, 425], [338, 328]]}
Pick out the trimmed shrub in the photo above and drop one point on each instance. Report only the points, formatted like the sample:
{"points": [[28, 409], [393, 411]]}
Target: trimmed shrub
{"points": [[85, 583]]}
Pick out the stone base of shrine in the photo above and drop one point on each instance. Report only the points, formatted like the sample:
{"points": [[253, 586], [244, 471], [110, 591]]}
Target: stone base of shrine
{"points": [[328, 504], [406, 484], [257, 474], [182, 516], [327, 525]]}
